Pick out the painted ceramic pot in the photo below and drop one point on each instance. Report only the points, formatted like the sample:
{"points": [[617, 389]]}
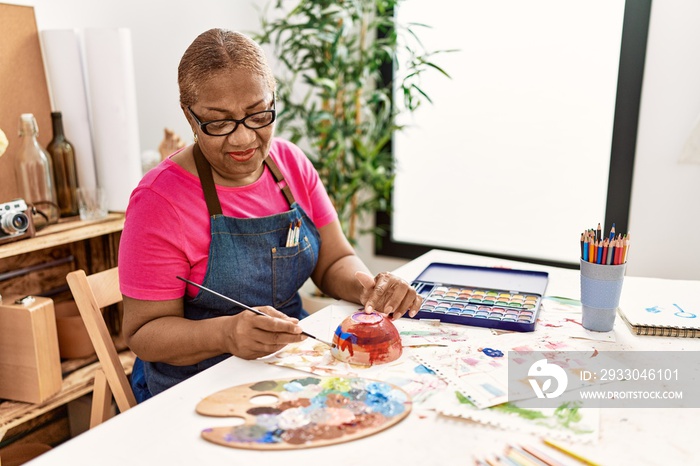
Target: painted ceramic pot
{"points": [[366, 339]]}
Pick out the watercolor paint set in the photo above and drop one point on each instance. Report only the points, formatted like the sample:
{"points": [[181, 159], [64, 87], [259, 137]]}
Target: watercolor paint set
{"points": [[506, 299]]}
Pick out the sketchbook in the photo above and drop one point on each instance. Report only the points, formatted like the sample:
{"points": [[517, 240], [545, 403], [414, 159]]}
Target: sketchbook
{"points": [[657, 307]]}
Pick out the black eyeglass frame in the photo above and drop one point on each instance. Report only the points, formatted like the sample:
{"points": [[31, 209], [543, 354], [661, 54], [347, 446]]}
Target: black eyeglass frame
{"points": [[203, 124]]}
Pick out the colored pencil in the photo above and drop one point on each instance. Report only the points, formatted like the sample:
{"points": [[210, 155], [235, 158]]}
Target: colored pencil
{"points": [[605, 251], [546, 459], [618, 252], [505, 461], [570, 453], [520, 457], [612, 250], [615, 251]]}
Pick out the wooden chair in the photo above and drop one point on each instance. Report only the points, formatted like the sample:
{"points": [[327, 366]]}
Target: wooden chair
{"points": [[91, 294]]}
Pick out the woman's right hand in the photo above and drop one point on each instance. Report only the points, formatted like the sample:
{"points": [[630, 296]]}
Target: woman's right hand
{"points": [[252, 336]]}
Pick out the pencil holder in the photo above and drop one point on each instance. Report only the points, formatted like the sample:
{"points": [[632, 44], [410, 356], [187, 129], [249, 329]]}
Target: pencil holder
{"points": [[601, 286]]}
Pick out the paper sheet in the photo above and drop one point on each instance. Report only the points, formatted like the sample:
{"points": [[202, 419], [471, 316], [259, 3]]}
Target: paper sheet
{"points": [[64, 69], [315, 357], [112, 101], [661, 303], [566, 422]]}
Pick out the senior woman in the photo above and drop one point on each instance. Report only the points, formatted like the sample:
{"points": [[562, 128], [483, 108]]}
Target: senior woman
{"points": [[218, 212]]}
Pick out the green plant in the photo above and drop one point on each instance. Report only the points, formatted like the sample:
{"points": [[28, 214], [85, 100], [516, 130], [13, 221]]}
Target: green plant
{"points": [[333, 100]]}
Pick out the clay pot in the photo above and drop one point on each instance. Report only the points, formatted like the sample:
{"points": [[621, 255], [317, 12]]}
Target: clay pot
{"points": [[366, 339], [73, 339]]}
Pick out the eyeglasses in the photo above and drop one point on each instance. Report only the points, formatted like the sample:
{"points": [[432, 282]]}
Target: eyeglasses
{"points": [[225, 127]]}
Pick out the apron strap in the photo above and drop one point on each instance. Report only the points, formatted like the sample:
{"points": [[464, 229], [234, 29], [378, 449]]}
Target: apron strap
{"points": [[279, 177], [207, 180]]}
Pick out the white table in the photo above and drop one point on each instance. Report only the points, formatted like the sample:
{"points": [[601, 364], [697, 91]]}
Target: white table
{"points": [[166, 429]]}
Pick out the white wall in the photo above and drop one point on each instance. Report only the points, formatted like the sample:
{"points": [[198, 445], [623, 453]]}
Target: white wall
{"points": [[665, 211], [161, 31], [665, 216]]}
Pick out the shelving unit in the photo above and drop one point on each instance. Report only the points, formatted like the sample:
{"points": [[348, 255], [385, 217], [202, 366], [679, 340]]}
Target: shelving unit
{"points": [[77, 381], [66, 231], [38, 266]]}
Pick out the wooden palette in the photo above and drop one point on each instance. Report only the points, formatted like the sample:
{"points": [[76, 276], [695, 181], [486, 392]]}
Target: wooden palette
{"points": [[306, 412]]}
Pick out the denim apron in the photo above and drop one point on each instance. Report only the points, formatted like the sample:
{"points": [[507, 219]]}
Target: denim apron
{"points": [[249, 262]]}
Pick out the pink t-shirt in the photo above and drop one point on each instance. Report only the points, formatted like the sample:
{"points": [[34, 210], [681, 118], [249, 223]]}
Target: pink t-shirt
{"points": [[167, 229]]}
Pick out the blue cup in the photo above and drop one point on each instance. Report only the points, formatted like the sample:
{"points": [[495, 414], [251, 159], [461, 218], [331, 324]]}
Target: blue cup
{"points": [[601, 286]]}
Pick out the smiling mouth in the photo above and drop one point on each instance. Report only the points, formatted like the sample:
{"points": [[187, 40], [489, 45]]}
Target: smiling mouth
{"points": [[242, 156]]}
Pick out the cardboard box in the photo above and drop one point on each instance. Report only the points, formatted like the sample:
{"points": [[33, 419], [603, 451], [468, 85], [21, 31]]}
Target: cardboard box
{"points": [[30, 365]]}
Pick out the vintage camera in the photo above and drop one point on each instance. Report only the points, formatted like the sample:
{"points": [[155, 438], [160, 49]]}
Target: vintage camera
{"points": [[15, 221]]}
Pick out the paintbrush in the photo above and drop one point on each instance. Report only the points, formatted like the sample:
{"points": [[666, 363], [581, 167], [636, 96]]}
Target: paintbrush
{"points": [[244, 306]]}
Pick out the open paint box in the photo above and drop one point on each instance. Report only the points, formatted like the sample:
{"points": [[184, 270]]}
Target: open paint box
{"points": [[507, 299]]}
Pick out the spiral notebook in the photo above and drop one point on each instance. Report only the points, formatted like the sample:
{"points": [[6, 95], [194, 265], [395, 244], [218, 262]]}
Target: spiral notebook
{"points": [[657, 307]]}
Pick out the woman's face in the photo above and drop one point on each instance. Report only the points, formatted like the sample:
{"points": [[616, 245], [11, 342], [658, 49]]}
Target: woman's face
{"points": [[236, 158]]}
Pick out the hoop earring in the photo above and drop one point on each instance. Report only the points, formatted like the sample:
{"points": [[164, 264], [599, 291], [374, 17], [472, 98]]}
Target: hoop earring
{"points": [[195, 138]]}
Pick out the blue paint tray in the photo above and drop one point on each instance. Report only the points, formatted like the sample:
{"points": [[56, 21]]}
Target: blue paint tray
{"points": [[506, 299]]}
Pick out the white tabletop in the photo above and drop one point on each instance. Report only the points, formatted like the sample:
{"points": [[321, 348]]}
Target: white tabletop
{"points": [[166, 429]]}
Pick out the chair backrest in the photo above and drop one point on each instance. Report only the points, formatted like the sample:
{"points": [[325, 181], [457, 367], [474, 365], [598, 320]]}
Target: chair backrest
{"points": [[92, 293]]}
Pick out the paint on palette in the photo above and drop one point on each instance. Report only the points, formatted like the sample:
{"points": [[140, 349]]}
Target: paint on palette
{"points": [[366, 339], [307, 412]]}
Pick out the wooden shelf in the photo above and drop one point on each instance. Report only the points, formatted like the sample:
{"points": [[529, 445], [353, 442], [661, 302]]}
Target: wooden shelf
{"points": [[75, 384], [64, 232], [39, 264]]}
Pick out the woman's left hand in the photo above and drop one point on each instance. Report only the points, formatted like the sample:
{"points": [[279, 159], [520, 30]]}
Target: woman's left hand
{"points": [[388, 294]]}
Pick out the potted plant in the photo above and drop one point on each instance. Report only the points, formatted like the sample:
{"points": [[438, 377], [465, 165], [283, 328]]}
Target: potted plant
{"points": [[333, 98]]}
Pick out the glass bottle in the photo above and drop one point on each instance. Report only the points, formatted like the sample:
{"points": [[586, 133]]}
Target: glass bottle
{"points": [[65, 175], [35, 173]]}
